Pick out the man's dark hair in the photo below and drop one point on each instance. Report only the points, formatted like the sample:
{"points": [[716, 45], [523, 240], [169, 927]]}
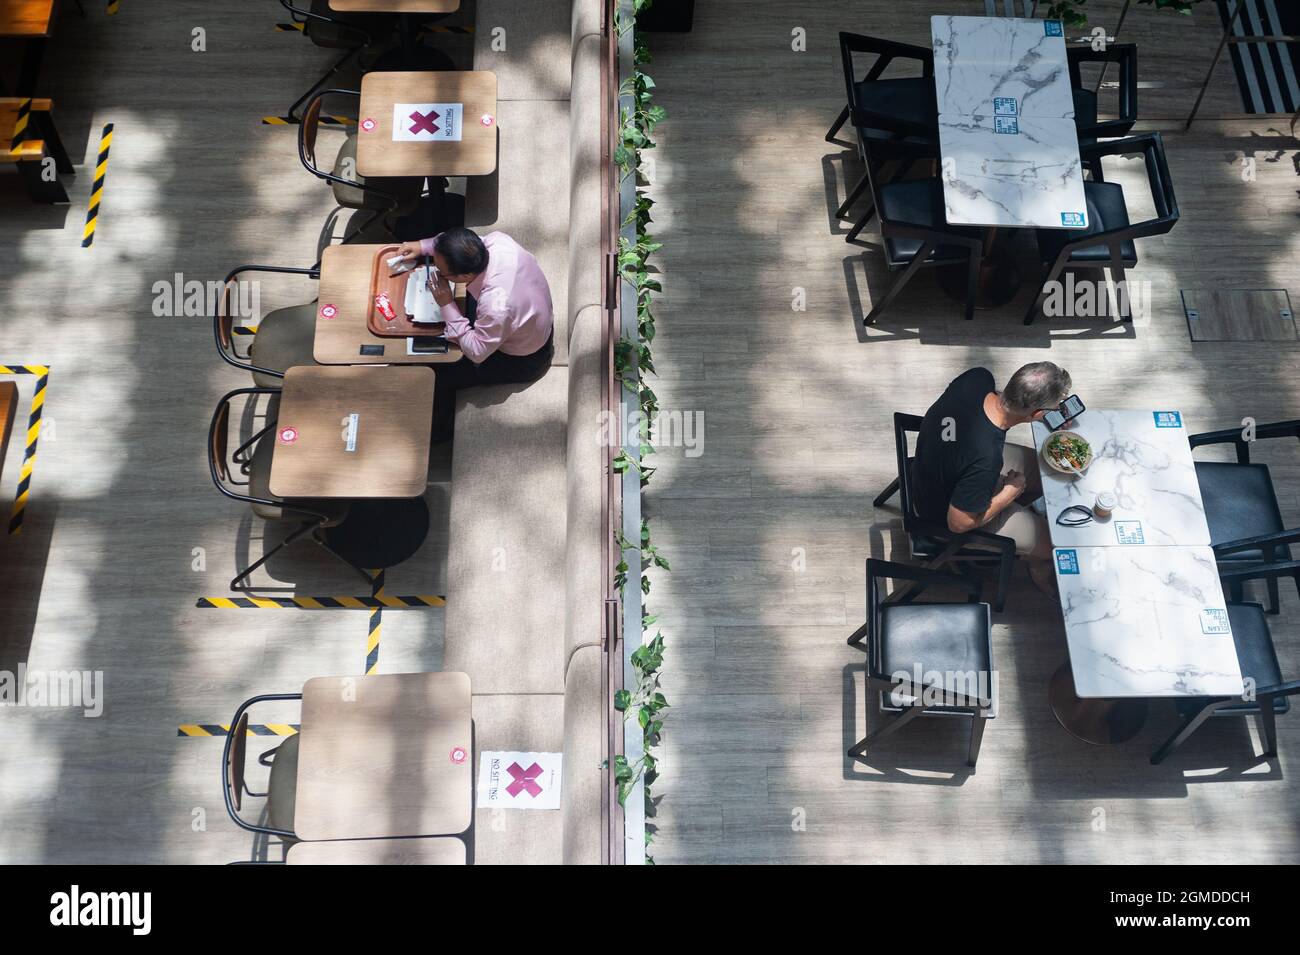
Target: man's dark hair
{"points": [[464, 251]]}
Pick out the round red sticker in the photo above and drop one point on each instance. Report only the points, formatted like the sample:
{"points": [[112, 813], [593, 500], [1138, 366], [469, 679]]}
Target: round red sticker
{"points": [[288, 435], [328, 311], [458, 755], [368, 124], [487, 119]]}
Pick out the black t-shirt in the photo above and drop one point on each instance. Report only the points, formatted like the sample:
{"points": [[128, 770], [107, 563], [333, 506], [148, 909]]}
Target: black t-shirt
{"points": [[959, 450]]}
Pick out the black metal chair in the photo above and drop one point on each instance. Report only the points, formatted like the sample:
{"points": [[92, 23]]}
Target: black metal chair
{"points": [[282, 787], [285, 337], [1265, 694], [1108, 241], [899, 115], [914, 233], [1085, 99], [253, 458], [381, 197], [328, 29], [931, 541], [1241, 506], [927, 658]]}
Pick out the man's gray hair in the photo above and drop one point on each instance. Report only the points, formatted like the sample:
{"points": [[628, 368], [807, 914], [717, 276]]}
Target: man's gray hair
{"points": [[1039, 384]]}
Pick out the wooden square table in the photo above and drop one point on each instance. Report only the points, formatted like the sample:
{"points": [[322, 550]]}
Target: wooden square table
{"points": [[31, 21], [343, 336], [385, 755], [353, 432], [429, 850], [474, 154]]}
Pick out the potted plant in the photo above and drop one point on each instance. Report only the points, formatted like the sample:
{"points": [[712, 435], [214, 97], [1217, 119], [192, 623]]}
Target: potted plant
{"points": [[665, 16]]}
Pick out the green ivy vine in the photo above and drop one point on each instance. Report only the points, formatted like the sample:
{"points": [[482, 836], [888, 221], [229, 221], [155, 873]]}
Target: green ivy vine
{"points": [[633, 362]]}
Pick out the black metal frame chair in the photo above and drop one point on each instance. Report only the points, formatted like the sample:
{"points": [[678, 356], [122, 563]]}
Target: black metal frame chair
{"points": [[898, 136], [307, 132], [913, 620], [223, 325], [909, 243], [1059, 248], [1267, 538], [313, 520], [233, 785], [932, 541], [1123, 54], [346, 27], [1255, 651]]}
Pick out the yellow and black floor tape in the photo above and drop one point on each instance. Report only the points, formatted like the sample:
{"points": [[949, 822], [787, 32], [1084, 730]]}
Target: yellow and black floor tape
{"points": [[223, 729], [376, 618], [413, 602], [289, 27], [112, 6], [244, 330], [97, 190], [21, 123], [294, 121], [42, 373]]}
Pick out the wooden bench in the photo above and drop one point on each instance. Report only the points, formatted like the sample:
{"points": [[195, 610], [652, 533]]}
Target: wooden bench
{"points": [[27, 139]]}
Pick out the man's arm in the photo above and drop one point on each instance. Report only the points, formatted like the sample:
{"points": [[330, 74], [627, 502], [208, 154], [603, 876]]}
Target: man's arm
{"points": [[960, 522]]}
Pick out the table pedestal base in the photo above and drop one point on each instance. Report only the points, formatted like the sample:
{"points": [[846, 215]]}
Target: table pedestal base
{"points": [[380, 533], [1099, 722], [998, 283]]}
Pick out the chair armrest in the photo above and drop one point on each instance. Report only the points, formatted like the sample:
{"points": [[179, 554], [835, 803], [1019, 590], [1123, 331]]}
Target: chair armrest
{"points": [[1281, 568], [890, 570], [222, 324], [1287, 688], [1264, 541]]}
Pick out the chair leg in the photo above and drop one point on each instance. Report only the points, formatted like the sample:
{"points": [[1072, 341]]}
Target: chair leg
{"points": [[1268, 721], [857, 190], [1004, 582], [976, 737], [43, 123], [1180, 737], [293, 110], [973, 282], [902, 719], [861, 223], [234, 584], [1053, 274], [1123, 304], [883, 498], [918, 260], [840, 120], [317, 539], [858, 635], [1274, 597]]}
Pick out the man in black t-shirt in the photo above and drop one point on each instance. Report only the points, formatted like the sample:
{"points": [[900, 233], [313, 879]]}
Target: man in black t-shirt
{"points": [[966, 476]]}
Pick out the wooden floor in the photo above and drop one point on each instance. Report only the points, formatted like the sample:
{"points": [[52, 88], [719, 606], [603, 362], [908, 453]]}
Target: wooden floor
{"points": [[124, 530], [768, 528]]}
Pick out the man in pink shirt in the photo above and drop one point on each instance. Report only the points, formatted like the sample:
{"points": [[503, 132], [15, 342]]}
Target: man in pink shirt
{"points": [[507, 335]]}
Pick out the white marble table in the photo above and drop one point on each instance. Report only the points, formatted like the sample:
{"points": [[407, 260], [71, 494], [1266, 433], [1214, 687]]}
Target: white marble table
{"points": [[1010, 152], [1146, 622], [1143, 458]]}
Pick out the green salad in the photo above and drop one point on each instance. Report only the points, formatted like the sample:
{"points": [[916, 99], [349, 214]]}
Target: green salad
{"points": [[1069, 451]]}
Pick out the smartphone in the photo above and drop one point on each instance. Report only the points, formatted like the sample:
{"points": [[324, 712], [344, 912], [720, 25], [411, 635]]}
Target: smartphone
{"points": [[1070, 408], [428, 345]]}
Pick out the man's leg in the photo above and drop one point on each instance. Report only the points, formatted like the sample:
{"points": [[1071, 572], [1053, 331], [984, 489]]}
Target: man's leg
{"points": [[1027, 528], [449, 379]]}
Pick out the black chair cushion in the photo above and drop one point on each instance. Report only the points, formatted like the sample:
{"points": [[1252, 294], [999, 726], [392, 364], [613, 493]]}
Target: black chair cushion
{"points": [[907, 100], [1255, 656], [950, 640], [1239, 503], [918, 202], [1106, 211]]}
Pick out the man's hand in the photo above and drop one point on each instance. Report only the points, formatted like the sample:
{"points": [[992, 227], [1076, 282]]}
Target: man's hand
{"points": [[440, 288], [1014, 480], [409, 251]]}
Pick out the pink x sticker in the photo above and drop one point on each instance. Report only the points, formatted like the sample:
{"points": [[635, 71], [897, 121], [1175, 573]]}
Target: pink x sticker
{"points": [[368, 125], [458, 755], [328, 311], [524, 780], [288, 435], [487, 119]]}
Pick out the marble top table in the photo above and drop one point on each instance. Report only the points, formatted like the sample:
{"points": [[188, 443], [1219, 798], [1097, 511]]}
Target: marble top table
{"points": [[1142, 457], [1006, 123], [1146, 622]]}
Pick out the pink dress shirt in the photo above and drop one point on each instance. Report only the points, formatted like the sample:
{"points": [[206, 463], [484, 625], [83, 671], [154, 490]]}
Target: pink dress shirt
{"points": [[514, 312]]}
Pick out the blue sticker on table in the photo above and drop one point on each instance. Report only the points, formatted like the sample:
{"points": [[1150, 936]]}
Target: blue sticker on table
{"points": [[1072, 220], [1067, 561], [1005, 106], [1168, 419], [1129, 532], [1005, 124], [1214, 620], [1053, 28]]}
